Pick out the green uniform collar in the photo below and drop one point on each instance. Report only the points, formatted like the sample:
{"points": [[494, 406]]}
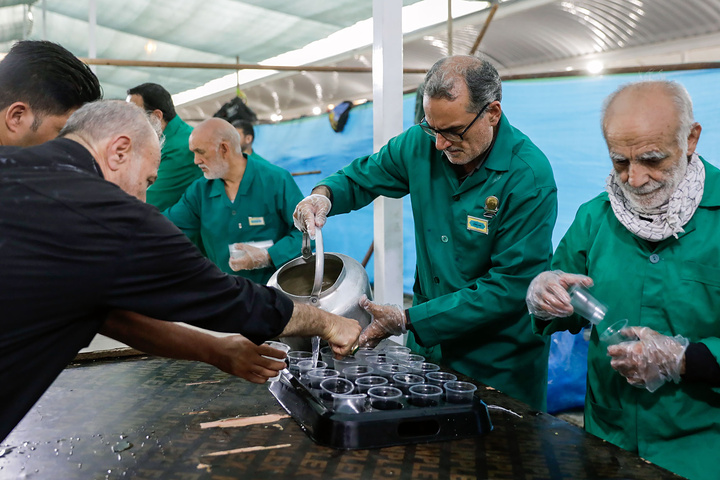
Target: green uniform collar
{"points": [[173, 126], [499, 160], [711, 195], [217, 187]]}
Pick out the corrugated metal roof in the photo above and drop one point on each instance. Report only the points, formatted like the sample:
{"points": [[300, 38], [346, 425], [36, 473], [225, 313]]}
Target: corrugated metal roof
{"points": [[524, 36]]}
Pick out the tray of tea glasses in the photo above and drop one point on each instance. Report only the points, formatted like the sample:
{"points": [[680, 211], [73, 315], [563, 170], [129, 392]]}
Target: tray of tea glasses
{"points": [[408, 407]]}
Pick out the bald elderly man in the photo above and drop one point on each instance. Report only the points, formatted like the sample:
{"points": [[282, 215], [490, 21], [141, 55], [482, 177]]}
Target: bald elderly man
{"points": [[649, 244], [241, 201]]}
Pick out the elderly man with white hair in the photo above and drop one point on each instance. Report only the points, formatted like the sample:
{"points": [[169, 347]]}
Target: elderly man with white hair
{"points": [[650, 247], [241, 200]]}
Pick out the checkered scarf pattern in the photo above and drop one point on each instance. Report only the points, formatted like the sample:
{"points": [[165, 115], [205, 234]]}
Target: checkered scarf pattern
{"points": [[668, 219]]}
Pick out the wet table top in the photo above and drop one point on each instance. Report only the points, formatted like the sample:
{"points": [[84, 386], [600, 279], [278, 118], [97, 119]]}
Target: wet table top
{"points": [[154, 418]]}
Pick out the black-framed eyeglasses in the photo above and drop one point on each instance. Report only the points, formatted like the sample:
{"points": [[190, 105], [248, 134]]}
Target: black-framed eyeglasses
{"points": [[450, 136]]}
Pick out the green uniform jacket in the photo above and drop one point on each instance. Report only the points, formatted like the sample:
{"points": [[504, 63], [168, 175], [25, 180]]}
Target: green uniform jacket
{"points": [[262, 210], [472, 271], [673, 287], [256, 156], [177, 167]]}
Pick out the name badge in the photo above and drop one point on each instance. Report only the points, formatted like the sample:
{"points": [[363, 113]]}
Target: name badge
{"points": [[476, 224], [256, 221]]}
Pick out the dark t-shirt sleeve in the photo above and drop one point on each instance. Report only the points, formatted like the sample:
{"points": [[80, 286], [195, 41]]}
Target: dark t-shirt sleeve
{"points": [[163, 275]]}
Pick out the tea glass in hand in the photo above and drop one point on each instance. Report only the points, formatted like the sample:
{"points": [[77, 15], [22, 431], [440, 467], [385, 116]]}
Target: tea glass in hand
{"points": [[585, 305], [277, 346]]}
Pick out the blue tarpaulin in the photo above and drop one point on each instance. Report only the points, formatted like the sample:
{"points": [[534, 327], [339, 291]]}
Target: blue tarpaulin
{"points": [[562, 117]]}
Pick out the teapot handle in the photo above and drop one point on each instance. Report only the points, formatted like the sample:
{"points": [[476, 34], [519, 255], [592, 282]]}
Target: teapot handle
{"points": [[319, 266]]}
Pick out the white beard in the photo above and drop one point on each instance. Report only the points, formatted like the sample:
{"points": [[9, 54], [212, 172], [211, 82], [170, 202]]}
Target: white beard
{"points": [[654, 194]]}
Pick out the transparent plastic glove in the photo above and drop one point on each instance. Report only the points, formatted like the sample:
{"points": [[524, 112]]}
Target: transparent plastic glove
{"points": [[311, 213], [547, 295], [249, 258], [387, 320], [650, 361]]}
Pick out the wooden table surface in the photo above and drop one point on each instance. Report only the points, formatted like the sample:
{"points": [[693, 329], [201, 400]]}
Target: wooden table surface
{"points": [[153, 418]]}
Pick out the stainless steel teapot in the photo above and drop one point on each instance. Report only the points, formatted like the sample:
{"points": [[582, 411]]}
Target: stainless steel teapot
{"points": [[330, 281]]}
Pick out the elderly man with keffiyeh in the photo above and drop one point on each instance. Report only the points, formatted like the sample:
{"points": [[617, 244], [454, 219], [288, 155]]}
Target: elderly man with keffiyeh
{"points": [[650, 249]]}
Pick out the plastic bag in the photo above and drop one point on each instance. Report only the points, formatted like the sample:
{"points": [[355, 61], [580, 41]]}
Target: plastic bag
{"points": [[567, 372]]}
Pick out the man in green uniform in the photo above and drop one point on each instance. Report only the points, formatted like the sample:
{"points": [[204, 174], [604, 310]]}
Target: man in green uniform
{"points": [[650, 246], [247, 137], [484, 203], [177, 170], [243, 201]]}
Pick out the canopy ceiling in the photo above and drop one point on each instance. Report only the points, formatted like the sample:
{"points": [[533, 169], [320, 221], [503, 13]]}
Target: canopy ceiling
{"points": [[525, 36]]}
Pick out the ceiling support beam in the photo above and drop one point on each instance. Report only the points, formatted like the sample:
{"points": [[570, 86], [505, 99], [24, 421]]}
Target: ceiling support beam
{"points": [[236, 66], [484, 28], [387, 123]]}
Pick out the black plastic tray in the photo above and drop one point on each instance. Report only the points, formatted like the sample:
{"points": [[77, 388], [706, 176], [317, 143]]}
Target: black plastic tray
{"points": [[379, 428]]}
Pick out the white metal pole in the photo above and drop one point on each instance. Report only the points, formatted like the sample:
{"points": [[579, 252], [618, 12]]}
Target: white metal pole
{"points": [[387, 75]]}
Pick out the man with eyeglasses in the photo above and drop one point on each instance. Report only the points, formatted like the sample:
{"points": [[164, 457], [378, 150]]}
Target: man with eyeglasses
{"points": [[484, 203]]}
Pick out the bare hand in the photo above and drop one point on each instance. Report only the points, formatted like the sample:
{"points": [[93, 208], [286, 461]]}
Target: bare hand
{"points": [[342, 335], [251, 258], [239, 356], [547, 296]]}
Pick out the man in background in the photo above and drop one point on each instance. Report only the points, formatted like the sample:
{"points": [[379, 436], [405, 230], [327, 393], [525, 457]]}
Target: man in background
{"points": [[176, 170], [247, 136], [41, 85], [243, 201]]}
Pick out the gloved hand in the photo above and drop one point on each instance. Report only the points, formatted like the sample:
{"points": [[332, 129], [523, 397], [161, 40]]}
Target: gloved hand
{"points": [[387, 320], [250, 258], [652, 360], [547, 295], [311, 213]]}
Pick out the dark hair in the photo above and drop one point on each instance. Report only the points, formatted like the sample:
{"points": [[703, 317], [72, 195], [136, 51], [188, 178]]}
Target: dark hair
{"points": [[482, 80], [245, 126], [155, 97], [47, 77]]}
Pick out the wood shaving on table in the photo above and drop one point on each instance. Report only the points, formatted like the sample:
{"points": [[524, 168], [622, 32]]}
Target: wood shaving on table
{"points": [[202, 383], [243, 422], [245, 450]]}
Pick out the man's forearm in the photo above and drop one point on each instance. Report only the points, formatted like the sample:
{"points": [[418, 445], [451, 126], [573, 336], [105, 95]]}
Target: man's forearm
{"points": [[323, 190], [158, 337], [306, 321]]}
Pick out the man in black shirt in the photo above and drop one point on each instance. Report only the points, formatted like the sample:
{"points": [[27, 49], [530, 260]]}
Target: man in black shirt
{"points": [[41, 85], [75, 247]]}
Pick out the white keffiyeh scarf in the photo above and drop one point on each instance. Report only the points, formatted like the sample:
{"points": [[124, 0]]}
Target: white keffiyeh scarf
{"points": [[668, 219]]}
